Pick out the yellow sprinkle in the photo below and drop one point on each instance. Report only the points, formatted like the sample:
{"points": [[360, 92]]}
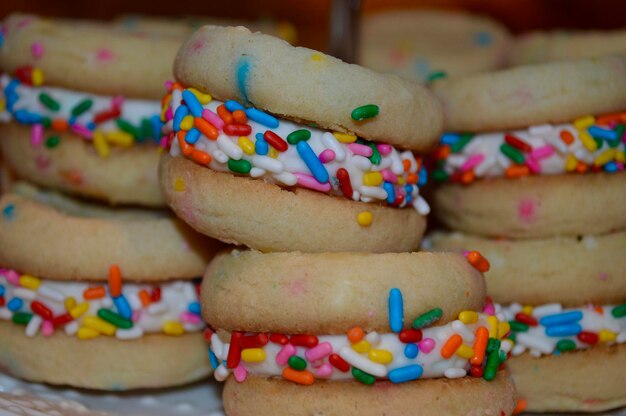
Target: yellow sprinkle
{"points": [[583, 123], [173, 328], [620, 156], [587, 140], [163, 111], [186, 123], [179, 185], [100, 144], [493, 326], [79, 309], [120, 138], [468, 317], [287, 31], [607, 336], [571, 163], [605, 157], [528, 309], [380, 356], [3, 106], [344, 137], [273, 153], [29, 282], [203, 98], [361, 346], [503, 328], [100, 325], [70, 303], [372, 179], [87, 333], [400, 180], [36, 77], [316, 57], [364, 218], [465, 351], [246, 145], [253, 355]]}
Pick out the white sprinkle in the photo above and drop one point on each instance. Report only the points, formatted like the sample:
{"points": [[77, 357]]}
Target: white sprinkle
{"points": [[221, 373], [268, 163], [373, 338], [33, 325], [5, 313], [542, 345], [256, 172], [333, 144], [518, 349], [397, 167], [373, 192], [361, 162], [547, 309], [421, 205], [133, 301], [24, 294], [220, 156], [51, 294], [217, 346], [228, 147], [286, 178], [540, 129], [357, 360], [157, 308], [71, 328], [455, 373], [132, 333]]}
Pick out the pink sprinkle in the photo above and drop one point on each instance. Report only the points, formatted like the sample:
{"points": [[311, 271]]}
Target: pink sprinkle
{"points": [[388, 176], [168, 84], [211, 117], [117, 101], [542, 152], [240, 374], [37, 50], [104, 55], [360, 149], [190, 318], [489, 309], [285, 352], [533, 165], [384, 149], [620, 166], [426, 345], [327, 156], [472, 162], [169, 114], [47, 329], [136, 316], [163, 142], [320, 351], [82, 131], [310, 182], [526, 210], [326, 370], [12, 277], [36, 135]]}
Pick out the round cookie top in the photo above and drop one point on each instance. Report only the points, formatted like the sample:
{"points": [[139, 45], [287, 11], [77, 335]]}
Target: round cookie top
{"points": [[306, 85], [40, 228], [329, 293], [426, 44], [535, 94], [88, 56], [536, 47]]}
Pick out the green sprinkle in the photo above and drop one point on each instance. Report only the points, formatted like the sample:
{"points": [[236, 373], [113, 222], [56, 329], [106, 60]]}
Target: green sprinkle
{"points": [[433, 76], [365, 112], [427, 318], [128, 128], [239, 166], [518, 326], [512, 153], [146, 129], [440, 175], [81, 107], [598, 141], [297, 136], [22, 318], [493, 362], [46, 122], [297, 363], [512, 336], [375, 158], [460, 144], [363, 377], [49, 102], [619, 311], [493, 345], [115, 319], [565, 345], [502, 357], [52, 142]]}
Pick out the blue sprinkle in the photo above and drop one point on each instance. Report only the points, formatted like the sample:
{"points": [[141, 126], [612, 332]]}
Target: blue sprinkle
{"points": [[192, 136], [408, 198], [213, 360], [26, 117], [1, 38], [563, 330], [179, 115], [404, 374], [15, 304], [450, 138], [243, 70], [483, 38], [411, 351], [408, 189], [91, 126], [194, 307], [232, 105], [260, 146], [71, 121], [123, 308], [263, 118], [603, 134], [192, 102], [155, 123], [391, 192], [1, 290], [8, 211], [423, 177], [611, 167], [312, 162], [561, 318], [396, 310]]}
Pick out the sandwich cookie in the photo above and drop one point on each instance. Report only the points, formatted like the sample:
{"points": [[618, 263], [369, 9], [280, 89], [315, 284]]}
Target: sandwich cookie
{"points": [[253, 164]]}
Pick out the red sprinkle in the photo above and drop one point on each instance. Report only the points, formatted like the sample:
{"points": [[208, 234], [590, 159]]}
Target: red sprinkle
{"points": [[62, 319], [409, 336], [2, 301], [106, 115], [254, 341], [237, 129], [276, 141], [41, 310], [234, 352], [309, 341], [588, 337], [344, 182], [207, 334], [339, 363], [279, 339], [526, 319], [24, 74], [517, 143], [155, 296], [477, 371]]}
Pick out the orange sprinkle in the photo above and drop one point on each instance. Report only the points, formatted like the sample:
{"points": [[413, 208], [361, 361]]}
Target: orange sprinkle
{"points": [[480, 345], [207, 334], [520, 406], [300, 377], [468, 177], [355, 334], [412, 178], [581, 167], [166, 99], [115, 281], [72, 176], [58, 124], [177, 86], [201, 157], [599, 309], [144, 297], [206, 128], [224, 114], [567, 137], [407, 165], [442, 152], [94, 293], [452, 344], [607, 119], [185, 147], [478, 261], [240, 117], [516, 171]]}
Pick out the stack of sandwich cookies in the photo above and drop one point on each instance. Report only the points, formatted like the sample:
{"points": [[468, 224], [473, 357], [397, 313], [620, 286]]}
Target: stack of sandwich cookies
{"points": [[543, 204], [82, 106], [99, 298]]}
